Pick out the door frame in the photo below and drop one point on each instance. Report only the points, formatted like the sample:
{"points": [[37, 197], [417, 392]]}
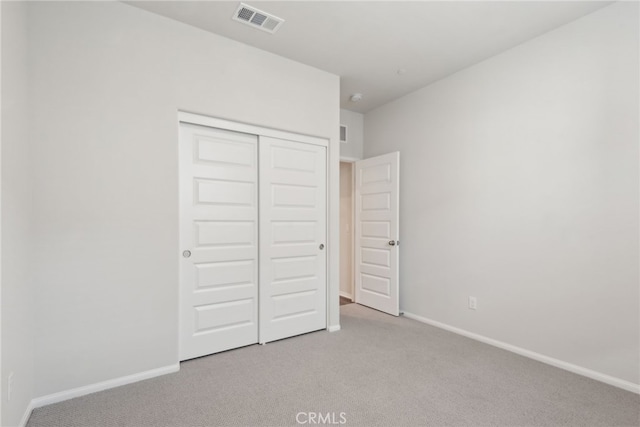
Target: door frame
{"points": [[332, 209], [198, 119]]}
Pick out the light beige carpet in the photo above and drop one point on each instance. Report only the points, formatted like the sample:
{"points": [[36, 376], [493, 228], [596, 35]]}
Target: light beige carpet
{"points": [[378, 371]]}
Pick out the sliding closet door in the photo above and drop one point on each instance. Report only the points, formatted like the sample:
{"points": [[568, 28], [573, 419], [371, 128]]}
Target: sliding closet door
{"points": [[218, 240], [293, 283]]}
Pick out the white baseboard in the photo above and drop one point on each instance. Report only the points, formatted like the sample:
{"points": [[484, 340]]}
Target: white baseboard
{"points": [[346, 295], [333, 328], [598, 376], [26, 415], [104, 385]]}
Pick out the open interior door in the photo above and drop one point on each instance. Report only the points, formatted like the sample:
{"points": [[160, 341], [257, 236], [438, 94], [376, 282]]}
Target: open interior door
{"points": [[377, 190]]}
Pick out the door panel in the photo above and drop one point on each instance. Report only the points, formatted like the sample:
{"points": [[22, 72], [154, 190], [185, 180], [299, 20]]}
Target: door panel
{"points": [[377, 226], [292, 227], [219, 225]]}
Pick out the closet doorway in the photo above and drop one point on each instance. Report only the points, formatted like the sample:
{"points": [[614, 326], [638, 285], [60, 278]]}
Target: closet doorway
{"points": [[253, 234]]}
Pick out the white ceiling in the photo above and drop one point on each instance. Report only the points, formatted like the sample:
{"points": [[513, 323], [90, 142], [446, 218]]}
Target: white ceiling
{"points": [[365, 43]]}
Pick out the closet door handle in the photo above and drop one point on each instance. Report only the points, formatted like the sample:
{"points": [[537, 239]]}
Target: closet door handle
{"points": [[321, 246]]}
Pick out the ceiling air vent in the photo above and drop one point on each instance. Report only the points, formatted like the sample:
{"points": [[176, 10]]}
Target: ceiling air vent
{"points": [[257, 19]]}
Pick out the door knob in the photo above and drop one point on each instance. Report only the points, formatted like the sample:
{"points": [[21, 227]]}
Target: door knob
{"points": [[392, 242], [321, 246], [186, 254]]}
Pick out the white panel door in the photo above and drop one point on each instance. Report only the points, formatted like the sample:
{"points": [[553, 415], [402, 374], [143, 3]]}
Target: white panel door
{"points": [[218, 240], [293, 281], [376, 234]]}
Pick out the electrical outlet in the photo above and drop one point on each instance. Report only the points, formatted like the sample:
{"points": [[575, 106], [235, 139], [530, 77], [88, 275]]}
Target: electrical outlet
{"points": [[9, 386], [473, 303]]}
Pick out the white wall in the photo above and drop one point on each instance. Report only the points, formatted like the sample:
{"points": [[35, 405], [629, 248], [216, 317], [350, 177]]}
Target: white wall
{"points": [[354, 122], [346, 229], [520, 187], [17, 293], [107, 82]]}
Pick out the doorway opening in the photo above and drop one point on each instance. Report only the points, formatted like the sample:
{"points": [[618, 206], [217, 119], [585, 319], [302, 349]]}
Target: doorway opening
{"points": [[347, 276]]}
